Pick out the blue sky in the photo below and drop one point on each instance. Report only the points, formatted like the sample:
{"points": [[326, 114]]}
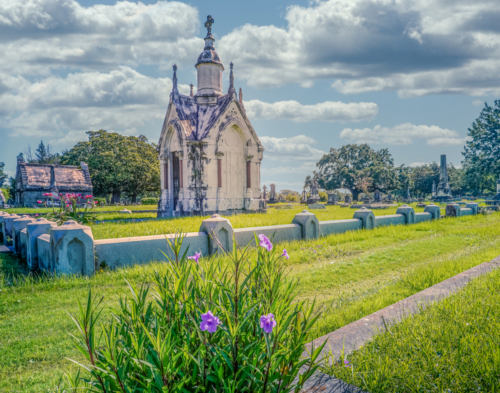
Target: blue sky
{"points": [[406, 75]]}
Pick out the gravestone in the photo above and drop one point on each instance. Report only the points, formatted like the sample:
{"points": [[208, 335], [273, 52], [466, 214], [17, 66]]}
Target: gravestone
{"points": [[272, 194], [314, 192], [332, 198], [348, 199], [304, 196], [264, 192], [2, 199], [377, 196]]}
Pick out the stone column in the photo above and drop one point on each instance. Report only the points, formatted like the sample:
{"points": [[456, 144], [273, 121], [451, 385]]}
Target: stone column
{"points": [[72, 248], [309, 223], [34, 230], [7, 229], [17, 226], [220, 233]]}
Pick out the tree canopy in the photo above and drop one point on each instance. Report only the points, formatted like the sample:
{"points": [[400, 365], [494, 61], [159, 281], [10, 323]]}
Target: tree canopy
{"points": [[358, 168], [117, 163], [3, 176], [42, 155]]}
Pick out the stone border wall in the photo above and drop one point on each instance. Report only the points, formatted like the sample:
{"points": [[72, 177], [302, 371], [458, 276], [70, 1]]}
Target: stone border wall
{"points": [[71, 248]]}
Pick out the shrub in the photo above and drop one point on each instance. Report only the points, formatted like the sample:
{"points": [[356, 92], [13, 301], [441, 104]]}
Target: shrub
{"points": [[100, 201], [323, 196], [208, 329], [149, 201], [292, 198]]}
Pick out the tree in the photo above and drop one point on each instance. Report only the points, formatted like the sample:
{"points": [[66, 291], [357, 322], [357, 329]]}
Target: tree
{"points": [[3, 176], [422, 178], [358, 168], [482, 151], [42, 155], [117, 164]]}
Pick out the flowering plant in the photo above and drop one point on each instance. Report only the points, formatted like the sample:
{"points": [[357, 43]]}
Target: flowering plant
{"points": [[69, 208], [207, 327]]}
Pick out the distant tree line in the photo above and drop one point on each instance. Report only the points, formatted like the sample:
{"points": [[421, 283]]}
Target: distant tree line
{"points": [[119, 165], [361, 169]]}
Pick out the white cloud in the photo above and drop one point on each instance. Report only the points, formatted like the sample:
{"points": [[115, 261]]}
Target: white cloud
{"points": [[291, 149], [402, 134], [414, 47], [415, 164], [325, 111], [306, 168], [64, 108], [446, 141], [40, 35], [478, 102]]}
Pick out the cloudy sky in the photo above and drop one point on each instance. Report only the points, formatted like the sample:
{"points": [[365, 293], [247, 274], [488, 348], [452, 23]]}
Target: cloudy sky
{"points": [[409, 75]]}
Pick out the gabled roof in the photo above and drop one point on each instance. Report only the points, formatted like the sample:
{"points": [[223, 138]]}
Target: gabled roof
{"points": [[66, 177], [197, 120]]}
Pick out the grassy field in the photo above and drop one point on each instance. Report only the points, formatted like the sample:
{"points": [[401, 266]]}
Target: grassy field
{"points": [[21, 210], [351, 275], [450, 347], [192, 224]]}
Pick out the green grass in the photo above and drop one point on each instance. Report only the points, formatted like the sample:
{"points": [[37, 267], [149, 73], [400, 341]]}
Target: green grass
{"points": [[351, 275], [22, 210], [192, 224], [452, 346], [121, 216]]}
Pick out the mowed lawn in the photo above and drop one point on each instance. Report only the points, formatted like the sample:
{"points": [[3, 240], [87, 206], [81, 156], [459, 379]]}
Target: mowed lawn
{"points": [[351, 275], [450, 347], [274, 216]]}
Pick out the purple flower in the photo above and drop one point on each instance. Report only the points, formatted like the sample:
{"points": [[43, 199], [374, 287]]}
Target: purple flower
{"points": [[265, 242], [285, 254], [209, 322], [267, 322], [347, 363], [196, 256]]}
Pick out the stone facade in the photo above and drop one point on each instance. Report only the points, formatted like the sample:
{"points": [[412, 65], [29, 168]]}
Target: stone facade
{"points": [[210, 155], [34, 180]]}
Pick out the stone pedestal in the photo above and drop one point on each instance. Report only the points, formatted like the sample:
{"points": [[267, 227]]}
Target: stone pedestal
{"points": [[366, 216], [453, 210], [17, 226], [434, 210], [7, 229], [333, 199], [220, 232], [309, 224], [72, 248], [34, 230], [408, 212]]}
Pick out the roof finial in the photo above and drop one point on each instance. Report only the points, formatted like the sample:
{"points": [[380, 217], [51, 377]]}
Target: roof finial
{"points": [[208, 24], [174, 81], [191, 93], [231, 81], [241, 99]]}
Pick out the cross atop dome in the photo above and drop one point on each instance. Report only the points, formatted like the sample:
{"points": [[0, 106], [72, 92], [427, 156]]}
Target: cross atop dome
{"points": [[208, 24]]}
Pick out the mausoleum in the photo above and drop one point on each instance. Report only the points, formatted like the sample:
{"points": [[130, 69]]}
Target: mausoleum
{"points": [[209, 153], [34, 180]]}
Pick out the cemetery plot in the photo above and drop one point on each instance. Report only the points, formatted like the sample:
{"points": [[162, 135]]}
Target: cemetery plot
{"points": [[351, 275], [450, 347]]}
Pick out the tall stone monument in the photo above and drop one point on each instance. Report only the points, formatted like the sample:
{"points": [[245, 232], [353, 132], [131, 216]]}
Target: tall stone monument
{"points": [[443, 193], [433, 189], [264, 196], [272, 194], [377, 196], [314, 192], [304, 196]]}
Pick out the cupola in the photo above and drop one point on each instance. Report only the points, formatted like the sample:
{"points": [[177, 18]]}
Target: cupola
{"points": [[209, 67]]}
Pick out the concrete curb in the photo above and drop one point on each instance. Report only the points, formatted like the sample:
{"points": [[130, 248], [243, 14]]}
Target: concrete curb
{"points": [[351, 337]]}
